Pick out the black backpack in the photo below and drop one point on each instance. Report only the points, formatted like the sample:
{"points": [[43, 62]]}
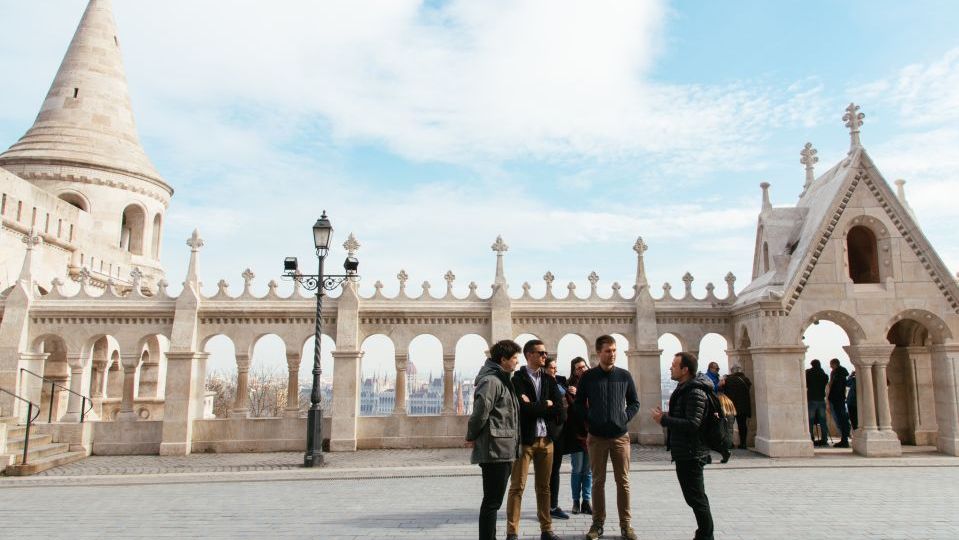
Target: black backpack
{"points": [[715, 430]]}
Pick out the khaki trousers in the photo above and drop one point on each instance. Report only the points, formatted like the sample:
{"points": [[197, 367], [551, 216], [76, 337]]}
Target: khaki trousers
{"points": [[617, 451], [541, 454]]}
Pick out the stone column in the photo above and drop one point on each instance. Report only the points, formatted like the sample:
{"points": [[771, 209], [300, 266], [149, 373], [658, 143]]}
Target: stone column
{"points": [[449, 363], [293, 385], [945, 371], [872, 395], [923, 396], [399, 404], [78, 363], [346, 400], [778, 376], [644, 366], [129, 362], [241, 404], [183, 402], [98, 379]]}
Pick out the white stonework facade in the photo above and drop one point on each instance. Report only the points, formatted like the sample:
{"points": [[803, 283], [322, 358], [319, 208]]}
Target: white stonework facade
{"points": [[86, 303]]}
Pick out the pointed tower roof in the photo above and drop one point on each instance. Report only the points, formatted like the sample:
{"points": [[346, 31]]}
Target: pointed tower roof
{"points": [[86, 119]]}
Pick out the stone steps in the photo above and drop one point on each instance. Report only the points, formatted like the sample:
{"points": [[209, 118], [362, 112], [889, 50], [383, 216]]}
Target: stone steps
{"points": [[42, 453], [43, 464], [15, 444]]}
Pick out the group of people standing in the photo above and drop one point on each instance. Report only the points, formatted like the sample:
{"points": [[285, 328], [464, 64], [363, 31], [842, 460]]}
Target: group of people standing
{"points": [[533, 416], [839, 387]]}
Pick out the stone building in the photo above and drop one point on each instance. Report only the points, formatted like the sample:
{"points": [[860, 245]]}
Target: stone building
{"points": [[86, 306]]}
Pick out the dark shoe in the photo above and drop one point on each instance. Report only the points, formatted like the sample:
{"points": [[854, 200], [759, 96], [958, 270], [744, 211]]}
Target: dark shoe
{"points": [[576, 507], [821, 444], [627, 533], [841, 444], [595, 532], [548, 535], [586, 508], [725, 455], [558, 513]]}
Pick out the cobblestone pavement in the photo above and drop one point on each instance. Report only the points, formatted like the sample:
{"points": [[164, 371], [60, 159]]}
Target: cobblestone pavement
{"points": [[748, 503]]}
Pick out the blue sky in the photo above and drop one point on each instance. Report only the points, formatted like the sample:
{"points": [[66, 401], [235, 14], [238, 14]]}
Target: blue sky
{"points": [[571, 128]]}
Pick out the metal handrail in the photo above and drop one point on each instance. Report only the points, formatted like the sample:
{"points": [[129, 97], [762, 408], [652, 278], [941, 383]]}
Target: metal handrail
{"points": [[30, 418], [53, 384]]}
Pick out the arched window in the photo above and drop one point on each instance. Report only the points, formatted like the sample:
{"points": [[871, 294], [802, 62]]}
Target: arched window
{"points": [[863, 255], [157, 223], [131, 229], [76, 200]]}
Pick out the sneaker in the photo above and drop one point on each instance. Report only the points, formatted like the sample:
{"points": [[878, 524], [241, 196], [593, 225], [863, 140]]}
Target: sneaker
{"points": [[558, 513], [586, 508], [595, 532], [575, 507], [628, 533], [548, 535]]}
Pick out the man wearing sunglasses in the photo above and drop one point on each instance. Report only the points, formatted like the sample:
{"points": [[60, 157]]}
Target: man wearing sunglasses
{"points": [[541, 415]]}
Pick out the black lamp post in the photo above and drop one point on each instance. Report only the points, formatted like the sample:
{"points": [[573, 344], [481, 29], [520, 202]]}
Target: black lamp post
{"points": [[320, 282]]}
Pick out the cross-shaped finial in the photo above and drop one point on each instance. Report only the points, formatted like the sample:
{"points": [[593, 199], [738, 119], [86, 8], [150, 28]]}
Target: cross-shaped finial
{"points": [[84, 275], [31, 239], [640, 246], [248, 276], [403, 277], [195, 242], [853, 119], [351, 245], [809, 159], [688, 281], [499, 246], [593, 279], [450, 277], [137, 276]]}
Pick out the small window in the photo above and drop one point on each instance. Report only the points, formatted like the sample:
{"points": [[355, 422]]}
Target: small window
{"points": [[765, 257], [76, 92], [863, 255]]}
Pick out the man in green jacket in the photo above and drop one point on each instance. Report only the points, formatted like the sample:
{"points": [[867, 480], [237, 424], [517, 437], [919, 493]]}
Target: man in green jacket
{"points": [[493, 430]]}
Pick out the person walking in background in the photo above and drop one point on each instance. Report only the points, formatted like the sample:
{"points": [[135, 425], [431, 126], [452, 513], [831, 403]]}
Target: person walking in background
{"points": [[541, 414], [574, 442], [736, 387], [559, 446], [606, 398], [837, 400], [712, 372], [851, 400], [493, 430], [687, 408], [816, 381]]}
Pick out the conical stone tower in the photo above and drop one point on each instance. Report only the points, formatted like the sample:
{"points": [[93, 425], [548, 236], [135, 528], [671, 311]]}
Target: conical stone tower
{"points": [[84, 149]]}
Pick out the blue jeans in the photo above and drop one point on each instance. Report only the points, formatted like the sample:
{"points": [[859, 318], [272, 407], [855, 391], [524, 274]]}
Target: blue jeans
{"points": [[817, 415], [581, 480]]}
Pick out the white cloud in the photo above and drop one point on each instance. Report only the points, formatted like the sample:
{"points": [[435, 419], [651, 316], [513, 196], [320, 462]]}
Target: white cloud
{"points": [[924, 94]]}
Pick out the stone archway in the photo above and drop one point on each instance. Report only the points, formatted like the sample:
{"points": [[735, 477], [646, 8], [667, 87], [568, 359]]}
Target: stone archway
{"points": [[909, 378]]}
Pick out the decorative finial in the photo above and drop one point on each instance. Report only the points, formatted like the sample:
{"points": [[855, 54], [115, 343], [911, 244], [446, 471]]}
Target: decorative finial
{"points": [[84, 276], [499, 246], [32, 239], [137, 277], [809, 159], [351, 245], [901, 190], [853, 119], [248, 276], [403, 277], [640, 246], [766, 204], [688, 281], [450, 277], [593, 279], [195, 242], [549, 278]]}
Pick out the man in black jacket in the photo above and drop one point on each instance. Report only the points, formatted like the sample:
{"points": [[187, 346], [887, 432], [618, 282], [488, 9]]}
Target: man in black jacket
{"points": [[687, 407], [541, 415], [606, 398], [816, 381]]}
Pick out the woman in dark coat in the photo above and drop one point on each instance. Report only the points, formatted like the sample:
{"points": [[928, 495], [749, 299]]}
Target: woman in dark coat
{"points": [[737, 387]]}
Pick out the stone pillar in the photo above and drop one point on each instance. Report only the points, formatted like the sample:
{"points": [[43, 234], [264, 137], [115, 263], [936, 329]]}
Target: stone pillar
{"points": [[346, 400], [399, 404], [644, 366], [241, 403], [293, 385], [183, 402], [31, 387], [98, 378], [872, 394], [945, 372], [129, 363], [449, 363], [778, 377], [78, 363], [922, 404]]}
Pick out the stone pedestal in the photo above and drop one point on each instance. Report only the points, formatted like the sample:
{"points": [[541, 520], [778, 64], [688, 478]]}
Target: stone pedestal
{"points": [[644, 366], [875, 436], [346, 400], [186, 373], [781, 427]]}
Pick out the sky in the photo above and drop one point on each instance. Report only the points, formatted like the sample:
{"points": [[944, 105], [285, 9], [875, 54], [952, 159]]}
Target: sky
{"points": [[428, 128]]}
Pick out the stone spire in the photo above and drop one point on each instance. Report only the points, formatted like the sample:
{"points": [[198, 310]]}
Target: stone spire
{"points": [[640, 248], [86, 118], [767, 206], [901, 195], [193, 270], [500, 248], [853, 119], [809, 159]]}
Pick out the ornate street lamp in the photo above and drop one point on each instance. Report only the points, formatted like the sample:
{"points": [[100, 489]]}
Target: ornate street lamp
{"points": [[319, 282]]}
